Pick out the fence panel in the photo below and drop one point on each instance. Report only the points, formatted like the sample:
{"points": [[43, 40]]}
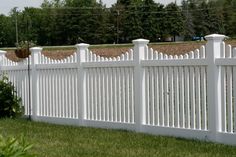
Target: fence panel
{"points": [[228, 87], [167, 86], [110, 88], [58, 93]]}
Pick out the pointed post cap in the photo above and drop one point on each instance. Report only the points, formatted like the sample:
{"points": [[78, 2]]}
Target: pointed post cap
{"points": [[2, 53], [140, 42], [215, 37]]}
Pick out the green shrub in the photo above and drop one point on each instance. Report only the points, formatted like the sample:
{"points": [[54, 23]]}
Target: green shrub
{"points": [[12, 147], [10, 104]]}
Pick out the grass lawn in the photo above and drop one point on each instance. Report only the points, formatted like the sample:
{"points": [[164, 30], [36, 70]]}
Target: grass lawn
{"points": [[67, 141]]}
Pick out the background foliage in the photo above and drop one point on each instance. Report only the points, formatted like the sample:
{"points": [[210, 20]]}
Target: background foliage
{"points": [[66, 22]]}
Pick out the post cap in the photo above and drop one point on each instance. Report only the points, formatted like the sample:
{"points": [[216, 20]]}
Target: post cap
{"points": [[2, 52], [215, 37], [140, 41], [36, 49], [82, 45]]}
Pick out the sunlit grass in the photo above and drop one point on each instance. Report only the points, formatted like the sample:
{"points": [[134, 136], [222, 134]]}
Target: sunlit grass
{"points": [[67, 141]]}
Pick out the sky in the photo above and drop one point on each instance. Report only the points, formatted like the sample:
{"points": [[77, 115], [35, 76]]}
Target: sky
{"points": [[7, 5]]}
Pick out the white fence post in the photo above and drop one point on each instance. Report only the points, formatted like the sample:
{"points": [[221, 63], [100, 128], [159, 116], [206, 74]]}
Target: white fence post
{"points": [[139, 83], [2, 54], [213, 51], [35, 52], [81, 57]]}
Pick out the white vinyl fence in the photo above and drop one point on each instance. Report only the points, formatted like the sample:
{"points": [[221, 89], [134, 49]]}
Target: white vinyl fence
{"points": [[191, 95]]}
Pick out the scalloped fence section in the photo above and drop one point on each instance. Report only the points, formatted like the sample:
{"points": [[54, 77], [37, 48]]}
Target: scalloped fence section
{"points": [[176, 90], [92, 57], [191, 95]]}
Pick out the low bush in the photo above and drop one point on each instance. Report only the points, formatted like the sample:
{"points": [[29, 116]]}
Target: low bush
{"points": [[10, 104], [12, 147]]}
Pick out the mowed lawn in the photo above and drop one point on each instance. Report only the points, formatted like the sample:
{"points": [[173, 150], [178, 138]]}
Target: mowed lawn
{"points": [[66, 141]]}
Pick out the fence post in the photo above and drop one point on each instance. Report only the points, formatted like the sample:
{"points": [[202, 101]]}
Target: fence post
{"points": [[213, 51], [35, 52], [139, 82], [2, 54], [81, 57]]}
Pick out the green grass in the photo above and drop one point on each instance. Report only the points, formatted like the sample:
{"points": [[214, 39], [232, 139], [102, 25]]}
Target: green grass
{"points": [[67, 141]]}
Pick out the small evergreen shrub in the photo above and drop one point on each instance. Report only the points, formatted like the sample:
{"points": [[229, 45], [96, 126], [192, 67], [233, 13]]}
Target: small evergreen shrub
{"points": [[10, 104], [12, 147]]}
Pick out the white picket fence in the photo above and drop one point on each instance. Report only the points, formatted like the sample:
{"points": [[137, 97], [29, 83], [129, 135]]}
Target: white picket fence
{"points": [[191, 95]]}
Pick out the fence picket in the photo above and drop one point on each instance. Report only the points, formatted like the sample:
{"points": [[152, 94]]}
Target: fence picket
{"points": [[115, 106], [95, 92], [181, 99], [177, 111], [119, 95], [103, 93], [187, 96], [234, 100], [157, 96], [132, 94], [161, 86], [203, 98], [229, 99], [152, 96], [99, 88], [166, 97], [171, 95], [147, 96]]}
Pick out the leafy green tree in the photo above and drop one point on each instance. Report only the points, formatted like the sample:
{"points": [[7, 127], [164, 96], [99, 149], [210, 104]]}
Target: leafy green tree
{"points": [[174, 20], [188, 31], [133, 23], [149, 20], [118, 16], [215, 18], [7, 31]]}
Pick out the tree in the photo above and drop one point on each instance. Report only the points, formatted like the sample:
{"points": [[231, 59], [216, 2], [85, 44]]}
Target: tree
{"points": [[133, 22], [149, 19], [188, 31], [7, 31], [174, 20]]}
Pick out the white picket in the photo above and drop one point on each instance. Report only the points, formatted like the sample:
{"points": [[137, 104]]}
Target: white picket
{"points": [[156, 97], [132, 95], [177, 111], [203, 98], [229, 99], [166, 97], [181, 96], [161, 86], [187, 97], [152, 95], [171, 95]]}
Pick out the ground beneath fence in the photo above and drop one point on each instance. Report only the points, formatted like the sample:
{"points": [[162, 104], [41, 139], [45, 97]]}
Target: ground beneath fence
{"points": [[168, 48]]}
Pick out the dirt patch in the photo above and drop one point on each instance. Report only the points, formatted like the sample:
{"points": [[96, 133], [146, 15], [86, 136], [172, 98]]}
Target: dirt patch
{"points": [[170, 49]]}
